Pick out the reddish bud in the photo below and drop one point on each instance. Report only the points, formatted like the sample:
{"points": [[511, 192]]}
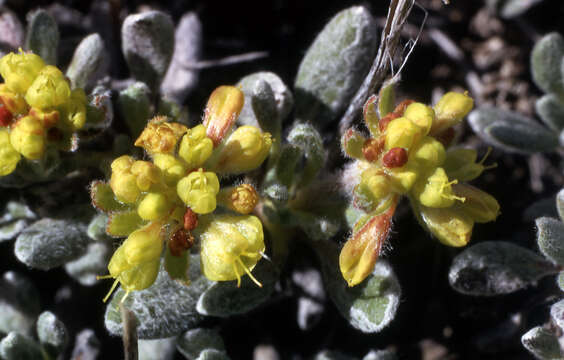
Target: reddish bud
{"points": [[190, 219], [395, 157], [6, 116], [372, 148], [400, 108], [383, 123], [180, 241]]}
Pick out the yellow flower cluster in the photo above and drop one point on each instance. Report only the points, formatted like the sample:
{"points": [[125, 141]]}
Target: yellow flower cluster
{"points": [[37, 108], [171, 198], [406, 155]]}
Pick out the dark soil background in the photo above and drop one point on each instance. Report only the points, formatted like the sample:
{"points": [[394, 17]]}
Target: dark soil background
{"points": [[433, 322]]}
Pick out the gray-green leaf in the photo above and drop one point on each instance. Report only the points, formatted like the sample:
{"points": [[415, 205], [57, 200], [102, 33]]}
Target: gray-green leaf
{"points": [[225, 299], [550, 237], [88, 63], [306, 137], [335, 65], [497, 267], [93, 263], [560, 204], [511, 131], [165, 309], [19, 303], [557, 313], [162, 349], [135, 106], [542, 343], [148, 43], [194, 343], [42, 36], [551, 111], [49, 243], [546, 59], [16, 346], [51, 332]]}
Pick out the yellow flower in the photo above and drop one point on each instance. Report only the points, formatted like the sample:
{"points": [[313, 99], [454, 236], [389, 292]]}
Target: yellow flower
{"points": [[231, 247], [14, 102], [28, 137], [20, 70], [160, 136], [198, 190], [75, 110], [171, 168], [241, 199], [9, 157], [244, 150], [154, 206], [406, 156], [131, 177], [49, 89], [195, 147]]}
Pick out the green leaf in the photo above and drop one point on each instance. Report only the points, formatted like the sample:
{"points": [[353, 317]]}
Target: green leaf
{"points": [[551, 111], [194, 343], [124, 223], [550, 237], [52, 333], [309, 140], [165, 309], [546, 59], [224, 298], [542, 343], [317, 227], [135, 106], [283, 98], [386, 99], [286, 165], [43, 36], [88, 63], [335, 65], [264, 107], [178, 266], [557, 313], [103, 198], [511, 131], [497, 267], [19, 303], [369, 306], [147, 41], [16, 346], [49, 243]]}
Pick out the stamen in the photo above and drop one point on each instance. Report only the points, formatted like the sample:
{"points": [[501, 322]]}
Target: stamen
{"points": [[459, 198], [124, 297], [101, 277], [111, 290], [237, 274], [249, 273], [481, 162]]}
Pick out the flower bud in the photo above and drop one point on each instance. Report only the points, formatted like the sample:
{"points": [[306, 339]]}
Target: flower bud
{"points": [[154, 206], [9, 157], [147, 174], [223, 108], [362, 249], [421, 115], [479, 205], [241, 199], [428, 154], [450, 109], [122, 163], [143, 245], [402, 132], [19, 70], [171, 168], [75, 110], [49, 89], [231, 247], [373, 191], [244, 150], [28, 137], [12, 101], [449, 225], [198, 190], [160, 136], [124, 186], [403, 178], [395, 157], [435, 190], [48, 118], [372, 149], [195, 147]]}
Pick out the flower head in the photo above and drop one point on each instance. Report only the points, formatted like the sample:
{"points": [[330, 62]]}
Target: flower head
{"points": [[406, 155], [172, 198], [38, 108]]}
